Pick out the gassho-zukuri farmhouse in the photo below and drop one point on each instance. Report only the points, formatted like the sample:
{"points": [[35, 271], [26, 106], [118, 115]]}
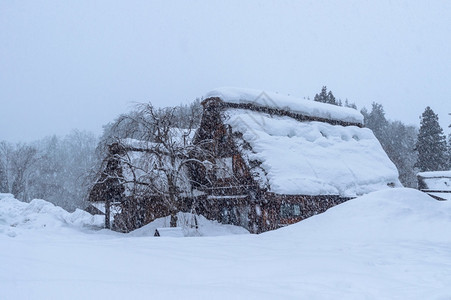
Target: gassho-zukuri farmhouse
{"points": [[282, 159]]}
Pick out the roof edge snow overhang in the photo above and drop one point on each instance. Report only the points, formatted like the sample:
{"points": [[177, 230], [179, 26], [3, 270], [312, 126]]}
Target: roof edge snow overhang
{"points": [[276, 111]]}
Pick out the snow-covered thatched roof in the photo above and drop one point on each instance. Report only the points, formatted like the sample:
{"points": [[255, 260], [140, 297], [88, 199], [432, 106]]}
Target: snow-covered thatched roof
{"points": [[287, 103], [435, 174], [436, 183], [436, 180], [307, 157]]}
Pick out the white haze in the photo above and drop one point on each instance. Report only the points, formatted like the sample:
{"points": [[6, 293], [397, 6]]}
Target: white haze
{"points": [[78, 64]]}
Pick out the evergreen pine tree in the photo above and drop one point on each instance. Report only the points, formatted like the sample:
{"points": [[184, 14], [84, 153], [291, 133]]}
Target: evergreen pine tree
{"points": [[397, 140], [376, 121], [399, 146], [351, 105], [326, 97], [321, 97], [331, 98], [431, 144]]}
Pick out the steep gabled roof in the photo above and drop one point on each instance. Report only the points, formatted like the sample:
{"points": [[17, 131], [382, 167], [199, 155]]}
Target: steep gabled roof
{"points": [[294, 156]]}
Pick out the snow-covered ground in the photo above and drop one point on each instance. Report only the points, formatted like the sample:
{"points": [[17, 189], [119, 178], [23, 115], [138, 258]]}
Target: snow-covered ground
{"points": [[392, 244]]}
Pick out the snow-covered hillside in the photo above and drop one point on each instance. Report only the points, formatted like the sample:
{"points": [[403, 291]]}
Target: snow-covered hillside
{"points": [[392, 244]]}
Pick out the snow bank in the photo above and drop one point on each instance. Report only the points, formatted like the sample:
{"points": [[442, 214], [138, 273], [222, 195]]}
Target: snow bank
{"points": [[289, 103], [392, 244], [17, 216], [313, 158], [187, 222], [388, 215]]}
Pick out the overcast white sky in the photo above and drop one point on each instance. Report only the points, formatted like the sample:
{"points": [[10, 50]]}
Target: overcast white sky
{"points": [[78, 64]]}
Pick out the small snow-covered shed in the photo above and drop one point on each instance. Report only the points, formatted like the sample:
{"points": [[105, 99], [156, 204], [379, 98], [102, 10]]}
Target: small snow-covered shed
{"points": [[436, 184], [284, 158]]}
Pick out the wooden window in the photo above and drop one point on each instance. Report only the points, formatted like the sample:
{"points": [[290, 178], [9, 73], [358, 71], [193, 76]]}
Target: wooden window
{"points": [[290, 210]]}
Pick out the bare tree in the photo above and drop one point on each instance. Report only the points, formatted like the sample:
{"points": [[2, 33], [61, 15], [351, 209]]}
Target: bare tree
{"points": [[63, 165], [5, 176], [168, 153], [153, 166], [22, 160]]}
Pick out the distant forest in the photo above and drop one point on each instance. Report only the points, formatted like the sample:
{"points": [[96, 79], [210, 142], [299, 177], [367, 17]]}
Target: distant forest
{"points": [[62, 169]]}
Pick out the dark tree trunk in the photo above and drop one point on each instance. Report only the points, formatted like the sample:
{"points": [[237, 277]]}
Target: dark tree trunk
{"points": [[107, 213], [173, 222], [172, 199]]}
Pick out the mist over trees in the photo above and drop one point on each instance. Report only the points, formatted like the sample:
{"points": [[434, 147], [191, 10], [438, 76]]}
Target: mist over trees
{"points": [[16, 164], [55, 169], [397, 139]]}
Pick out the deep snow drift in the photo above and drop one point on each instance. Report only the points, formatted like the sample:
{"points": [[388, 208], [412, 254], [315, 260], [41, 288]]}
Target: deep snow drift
{"points": [[38, 215], [18, 217], [392, 244]]}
